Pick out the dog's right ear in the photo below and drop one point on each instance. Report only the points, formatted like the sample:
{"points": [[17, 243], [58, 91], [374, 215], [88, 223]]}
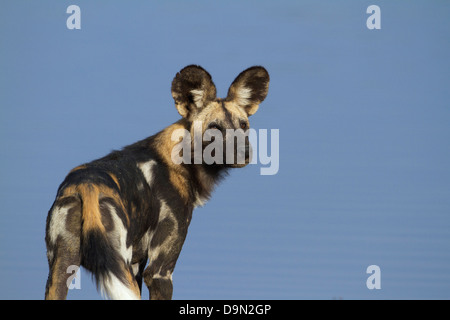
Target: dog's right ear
{"points": [[250, 88], [192, 89]]}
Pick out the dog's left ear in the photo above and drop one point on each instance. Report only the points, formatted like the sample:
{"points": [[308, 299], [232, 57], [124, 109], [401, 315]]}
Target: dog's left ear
{"points": [[192, 89], [250, 88]]}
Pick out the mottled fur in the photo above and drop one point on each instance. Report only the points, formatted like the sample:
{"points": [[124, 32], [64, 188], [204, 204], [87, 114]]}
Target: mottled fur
{"points": [[115, 214]]}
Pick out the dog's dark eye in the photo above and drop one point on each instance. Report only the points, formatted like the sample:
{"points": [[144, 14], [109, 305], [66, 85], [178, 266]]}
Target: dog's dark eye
{"points": [[214, 126], [243, 125]]}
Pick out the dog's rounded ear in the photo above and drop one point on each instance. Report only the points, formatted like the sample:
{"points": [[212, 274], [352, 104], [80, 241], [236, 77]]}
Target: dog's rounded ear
{"points": [[250, 88], [192, 89]]}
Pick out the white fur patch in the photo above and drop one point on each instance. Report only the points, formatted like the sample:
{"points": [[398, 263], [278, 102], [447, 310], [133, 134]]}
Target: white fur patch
{"points": [[58, 223], [147, 170], [243, 96], [165, 212], [58, 226], [197, 95], [168, 275], [115, 289], [110, 286], [199, 201], [135, 268], [119, 236]]}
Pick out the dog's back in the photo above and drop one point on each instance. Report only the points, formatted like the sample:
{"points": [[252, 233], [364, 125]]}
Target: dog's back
{"points": [[93, 223]]}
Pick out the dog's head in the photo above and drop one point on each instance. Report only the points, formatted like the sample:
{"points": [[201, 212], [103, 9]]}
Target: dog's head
{"points": [[221, 124]]}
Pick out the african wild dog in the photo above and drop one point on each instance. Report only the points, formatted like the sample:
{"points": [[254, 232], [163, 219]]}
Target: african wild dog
{"points": [[116, 213]]}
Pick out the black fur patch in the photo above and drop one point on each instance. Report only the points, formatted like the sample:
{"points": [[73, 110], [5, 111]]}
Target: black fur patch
{"points": [[100, 258]]}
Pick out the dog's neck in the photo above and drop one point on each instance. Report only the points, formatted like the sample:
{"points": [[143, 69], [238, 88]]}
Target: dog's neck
{"points": [[194, 182]]}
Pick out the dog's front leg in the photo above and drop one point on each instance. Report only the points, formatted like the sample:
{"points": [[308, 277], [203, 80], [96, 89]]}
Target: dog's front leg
{"points": [[159, 287]]}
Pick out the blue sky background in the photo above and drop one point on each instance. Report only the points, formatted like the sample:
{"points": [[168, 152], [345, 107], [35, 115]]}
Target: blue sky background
{"points": [[363, 116]]}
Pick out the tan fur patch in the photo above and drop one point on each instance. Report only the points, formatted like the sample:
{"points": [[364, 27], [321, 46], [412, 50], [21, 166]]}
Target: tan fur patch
{"points": [[208, 114], [114, 177], [215, 112], [52, 290], [177, 174], [235, 109], [78, 168], [92, 218], [133, 285], [90, 195]]}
